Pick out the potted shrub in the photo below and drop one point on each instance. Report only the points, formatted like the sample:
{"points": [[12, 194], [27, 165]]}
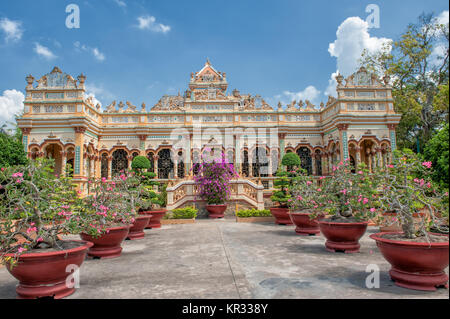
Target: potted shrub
{"points": [[418, 257], [351, 201], [113, 207], [213, 182], [36, 209], [303, 203], [282, 183], [183, 215], [254, 215]]}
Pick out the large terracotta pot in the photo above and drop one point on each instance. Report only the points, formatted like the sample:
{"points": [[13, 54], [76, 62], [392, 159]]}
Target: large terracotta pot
{"points": [[137, 229], [342, 236], [45, 274], [418, 266], [281, 215], [155, 219], [304, 224], [216, 211], [108, 245]]}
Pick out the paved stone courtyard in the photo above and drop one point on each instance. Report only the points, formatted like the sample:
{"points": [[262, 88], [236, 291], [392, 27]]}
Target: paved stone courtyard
{"points": [[225, 259]]}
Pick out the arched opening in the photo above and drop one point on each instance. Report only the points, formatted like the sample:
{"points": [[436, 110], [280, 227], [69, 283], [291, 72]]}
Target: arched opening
{"points": [[180, 165], [119, 161], [245, 165], [70, 160], [260, 162], [54, 151], [305, 157], [165, 164], [368, 153]]}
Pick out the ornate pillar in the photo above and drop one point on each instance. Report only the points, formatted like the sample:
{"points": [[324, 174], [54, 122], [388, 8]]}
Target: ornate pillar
{"points": [[378, 156], [175, 167], [324, 163], [25, 138], [130, 159], [98, 167], [155, 165], [250, 164], [269, 164], [142, 139], [237, 153], [63, 162], [92, 166], [392, 136], [109, 167], [344, 144], [313, 163], [78, 170], [281, 137]]}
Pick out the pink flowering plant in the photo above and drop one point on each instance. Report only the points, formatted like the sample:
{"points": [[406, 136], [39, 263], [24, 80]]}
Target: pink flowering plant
{"points": [[213, 180], [349, 196], [35, 208], [407, 188], [112, 203], [304, 193]]}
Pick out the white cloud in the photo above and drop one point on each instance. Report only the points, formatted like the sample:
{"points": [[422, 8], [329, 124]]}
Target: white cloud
{"points": [[442, 18], [11, 103], [94, 51], [309, 93], [98, 92], [332, 83], [352, 37], [120, 3], [44, 51], [148, 23], [12, 29]]}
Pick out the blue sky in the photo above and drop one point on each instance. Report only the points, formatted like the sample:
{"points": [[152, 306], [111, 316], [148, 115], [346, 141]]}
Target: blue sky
{"points": [[139, 50]]}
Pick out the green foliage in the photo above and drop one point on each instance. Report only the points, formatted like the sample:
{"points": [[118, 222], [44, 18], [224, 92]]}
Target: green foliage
{"points": [[281, 184], [140, 162], [253, 213], [437, 151], [149, 198], [182, 213], [290, 160], [420, 86], [11, 149]]}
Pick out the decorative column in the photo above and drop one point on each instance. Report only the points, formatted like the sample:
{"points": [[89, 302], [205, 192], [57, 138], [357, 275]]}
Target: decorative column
{"points": [[324, 163], [78, 170], [378, 156], [142, 139], [330, 162], [25, 138], [175, 166], [109, 167], [92, 166], [130, 159], [344, 144], [63, 162], [155, 165], [237, 153], [392, 136], [250, 164], [187, 156], [269, 164], [313, 164], [281, 137], [98, 167]]}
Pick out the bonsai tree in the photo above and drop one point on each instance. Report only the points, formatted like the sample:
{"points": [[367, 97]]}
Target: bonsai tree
{"points": [[140, 163], [407, 188], [291, 160], [213, 180], [284, 179], [349, 196], [35, 207]]}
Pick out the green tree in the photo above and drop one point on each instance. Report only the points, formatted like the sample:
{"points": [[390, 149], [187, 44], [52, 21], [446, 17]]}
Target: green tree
{"points": [[418, 65], [437, 151], [12, 151]]}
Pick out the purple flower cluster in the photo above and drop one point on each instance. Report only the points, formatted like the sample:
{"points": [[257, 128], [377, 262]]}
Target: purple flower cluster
{"points": [[213, 180]]}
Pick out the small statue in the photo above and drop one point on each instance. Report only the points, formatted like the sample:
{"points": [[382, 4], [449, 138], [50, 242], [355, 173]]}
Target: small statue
{"points": [[112, 107], [143, 107]]}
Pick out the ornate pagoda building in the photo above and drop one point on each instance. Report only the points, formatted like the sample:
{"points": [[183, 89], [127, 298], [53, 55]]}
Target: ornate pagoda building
{"points": [[61, 122]]}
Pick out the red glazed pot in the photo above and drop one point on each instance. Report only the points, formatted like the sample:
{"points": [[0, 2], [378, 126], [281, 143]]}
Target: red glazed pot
{"points": [[281, 215], [108, 244], [418, 266], [216, 211], [155, 220], [304, 224], [45, 274], [342, 236], [137, 230]]}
